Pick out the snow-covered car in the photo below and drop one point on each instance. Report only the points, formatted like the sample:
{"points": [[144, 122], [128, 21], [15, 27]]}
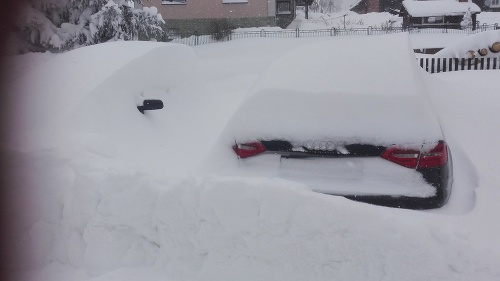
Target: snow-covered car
{"points": [[346, 121]]}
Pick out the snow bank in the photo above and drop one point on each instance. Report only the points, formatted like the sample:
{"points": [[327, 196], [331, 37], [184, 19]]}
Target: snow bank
{"points": [[215, 228], [351, 20], [258, 29], [84, 102], [100, 192], [474, 43], [225, 228]]}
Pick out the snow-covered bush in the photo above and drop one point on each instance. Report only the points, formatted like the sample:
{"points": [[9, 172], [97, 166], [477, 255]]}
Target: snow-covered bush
{"points": [[220, 29], [68, 24], [388, 25]]}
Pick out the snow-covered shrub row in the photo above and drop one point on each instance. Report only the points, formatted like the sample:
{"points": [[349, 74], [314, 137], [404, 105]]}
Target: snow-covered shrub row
{"points": [[56, 25]]}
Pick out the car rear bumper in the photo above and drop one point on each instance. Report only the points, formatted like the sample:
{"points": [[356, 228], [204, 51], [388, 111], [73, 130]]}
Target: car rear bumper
{"points": [[356, 176], [366, 179]]}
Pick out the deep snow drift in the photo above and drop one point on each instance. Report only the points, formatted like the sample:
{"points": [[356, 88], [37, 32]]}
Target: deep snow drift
{"points": [[102, 192]]}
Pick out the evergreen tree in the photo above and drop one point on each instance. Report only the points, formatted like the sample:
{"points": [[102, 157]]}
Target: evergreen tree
{"points": [[67, 24]]}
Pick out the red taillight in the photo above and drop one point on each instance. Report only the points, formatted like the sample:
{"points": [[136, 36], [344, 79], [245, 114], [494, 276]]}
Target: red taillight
{"points": [[402, 156], [410, 157], [438, 156], [245, 150]]}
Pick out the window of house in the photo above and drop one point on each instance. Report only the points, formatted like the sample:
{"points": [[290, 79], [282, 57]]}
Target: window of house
{"points": [[234, 1], [434, 20], [283, 7], [495, 2], [173, 2]]}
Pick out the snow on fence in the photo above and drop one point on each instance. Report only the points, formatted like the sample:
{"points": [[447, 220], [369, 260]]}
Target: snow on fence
{"points": [[195, 40], [436, 65]]}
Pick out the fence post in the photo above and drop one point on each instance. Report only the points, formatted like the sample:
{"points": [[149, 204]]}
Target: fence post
{"points": [[196, 38], [450, 63], [432, 65], [262, 33], [369, 31], [444, 64], [438, 67], [297, 33], [427, 64], [496, 26], [332, 31]]}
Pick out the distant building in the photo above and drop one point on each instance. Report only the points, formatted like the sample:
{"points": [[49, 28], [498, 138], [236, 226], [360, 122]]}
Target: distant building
{"points": [[196, 16], [437, 14], [376, 6], [491, 5], [366, 6]]}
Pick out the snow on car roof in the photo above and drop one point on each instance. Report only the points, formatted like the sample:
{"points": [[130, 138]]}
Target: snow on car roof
{"points": [[354, 65], [439, 8], [363, 90]]}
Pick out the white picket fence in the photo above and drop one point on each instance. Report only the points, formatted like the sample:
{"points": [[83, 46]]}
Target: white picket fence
{"points": [[195, 40]]}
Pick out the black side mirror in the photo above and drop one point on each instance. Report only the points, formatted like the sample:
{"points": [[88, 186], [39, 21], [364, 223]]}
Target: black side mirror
{"points": [[150, 105]]}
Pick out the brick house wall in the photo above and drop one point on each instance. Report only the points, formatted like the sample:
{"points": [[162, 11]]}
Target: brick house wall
{"points": [[195, 16]]}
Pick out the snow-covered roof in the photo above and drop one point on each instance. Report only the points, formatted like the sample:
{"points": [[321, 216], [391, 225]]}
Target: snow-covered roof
{"points": [[439, 8], [347, 5]]}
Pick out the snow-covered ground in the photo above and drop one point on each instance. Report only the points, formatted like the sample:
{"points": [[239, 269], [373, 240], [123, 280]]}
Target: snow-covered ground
{"points": [[473, 42], [101, 192], [336, 20], [355, 20], [351, 20]]}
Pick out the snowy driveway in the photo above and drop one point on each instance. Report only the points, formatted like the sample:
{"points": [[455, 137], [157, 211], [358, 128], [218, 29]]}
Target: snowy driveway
{"points": [[99, 211]]}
